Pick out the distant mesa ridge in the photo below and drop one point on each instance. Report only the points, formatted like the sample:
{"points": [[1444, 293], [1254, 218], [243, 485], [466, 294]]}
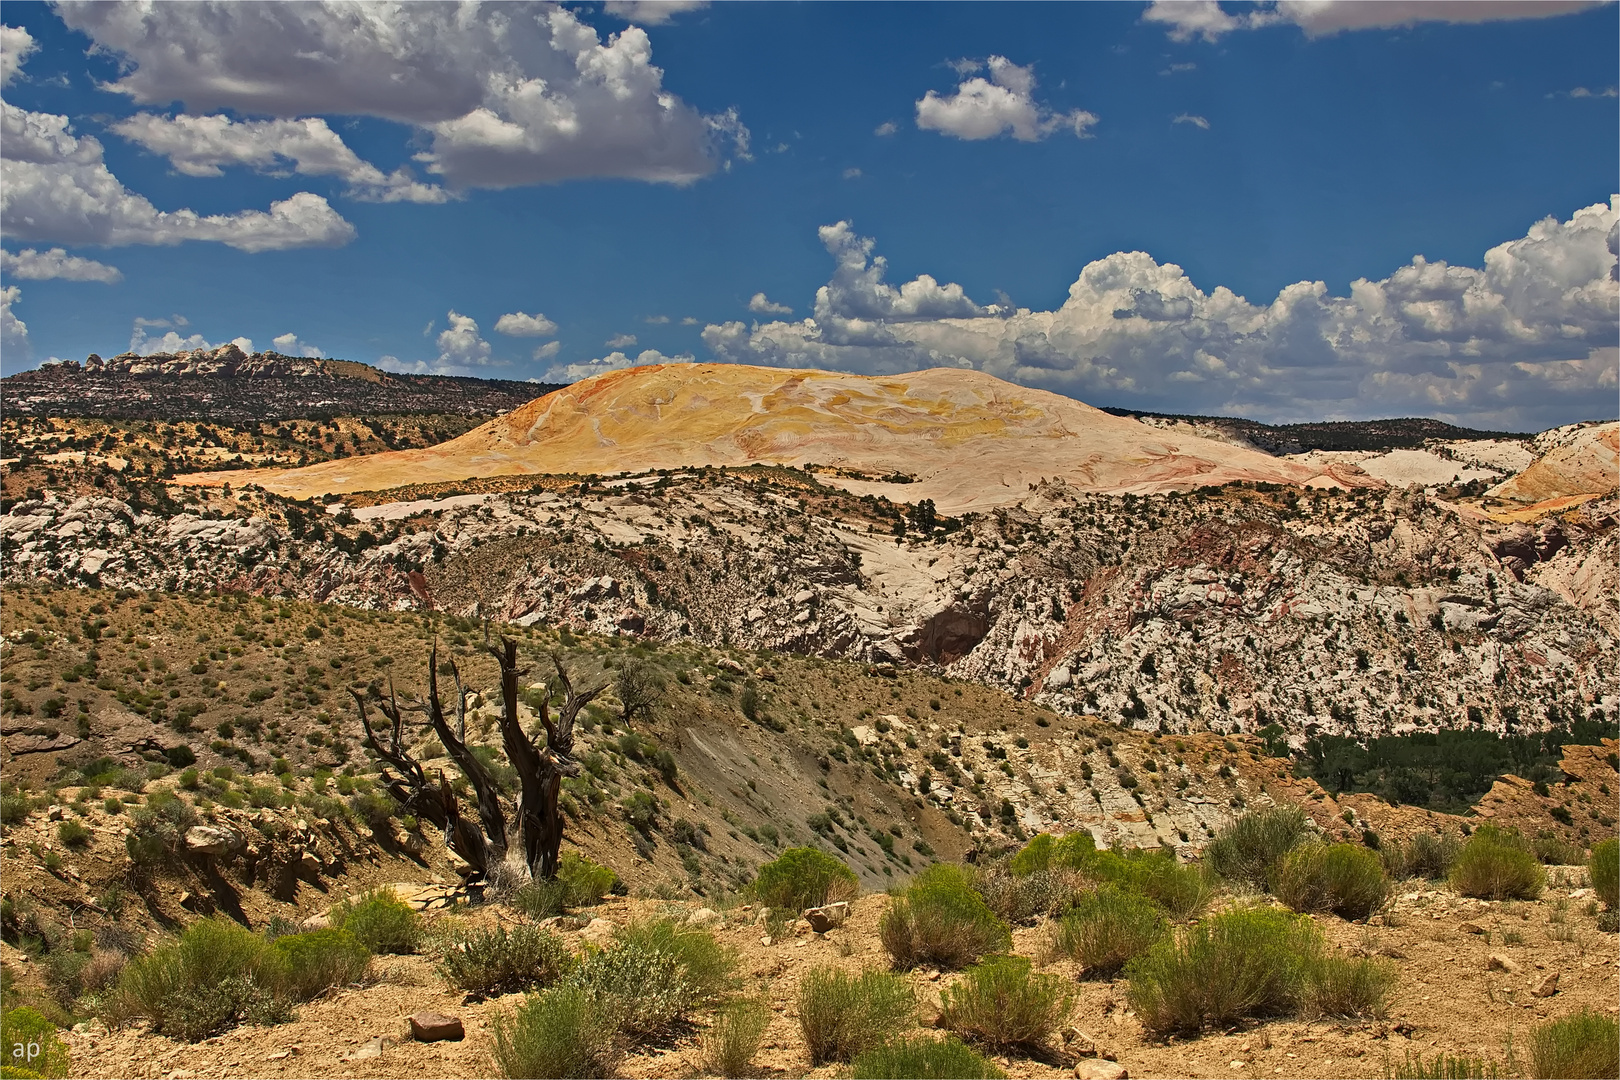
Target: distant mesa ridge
{"points": [[227, 385]]}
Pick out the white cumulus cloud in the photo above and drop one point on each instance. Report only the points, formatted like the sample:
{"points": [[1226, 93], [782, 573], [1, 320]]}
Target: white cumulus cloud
{"points": [[15, 45], [885, 129], [762, 304], [13, 331], [460, 345], [620, 341], [1189, 118], [56, 264], [172, 341], [206, 145], [1206, 19], [57, 187], [1527, 340], [290, 345], [652, 12], [503, 94], [614, 361], [984, 108], [547, 351], [517, 324]]}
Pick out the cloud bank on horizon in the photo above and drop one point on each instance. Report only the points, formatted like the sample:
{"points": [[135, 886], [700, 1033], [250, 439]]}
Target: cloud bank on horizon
{"points": [[1534, 328], [353, 170]]}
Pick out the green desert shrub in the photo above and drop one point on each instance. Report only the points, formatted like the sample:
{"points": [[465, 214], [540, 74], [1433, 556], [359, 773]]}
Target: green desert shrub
{"points": [[942, 920], [656, 974], [1497, 864], [490, 961], [217, 974], [381, 921], [587, 880], [1246, 850], [1552, 851], [804, 877], [1346, 879], [1157, 874], [1582, 1046], [30, 1045], [1047, 852], [1002, 1005], [558, 1032], [1430, 855], [1344, 987], [1106, 929], [842, 1015], [315, 962], [1248, 963], [580, 882], [1605, 867], [733, 1039], [923, 1058], [1035, 855]]}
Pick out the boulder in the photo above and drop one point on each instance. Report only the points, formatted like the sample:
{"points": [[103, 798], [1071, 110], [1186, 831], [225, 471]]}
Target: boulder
{"points": [[209, 840], [435, 1027], [1098, 1069], [598, 931], [826, 917], [1548, 986], [703, 917], [1499, 962]]}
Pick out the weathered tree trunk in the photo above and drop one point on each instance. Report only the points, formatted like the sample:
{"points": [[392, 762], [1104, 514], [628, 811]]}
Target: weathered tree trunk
{"points": [[434, 803], [540, 768]]}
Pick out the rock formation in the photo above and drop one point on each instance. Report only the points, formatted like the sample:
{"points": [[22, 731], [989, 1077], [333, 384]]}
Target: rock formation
{"points": [[966, 440]]}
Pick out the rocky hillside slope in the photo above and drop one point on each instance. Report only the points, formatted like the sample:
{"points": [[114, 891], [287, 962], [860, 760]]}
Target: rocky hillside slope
{"points": [[960, 438], [1581, 459], [1227, 610]]}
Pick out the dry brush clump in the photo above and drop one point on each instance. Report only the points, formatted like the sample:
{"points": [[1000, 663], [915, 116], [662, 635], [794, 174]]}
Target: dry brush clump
{"points": [[1250, 963], [923, 1057], [1582, 1046], [1498, 864], [1345, 879], [1106, 929], [218, 974], [381, 921], [733, 1038], [650, 980], [1604, 866], [1246, 851], [842, 1014], [942, 920], [488, 961], [804, 877], [1001, 1005]]}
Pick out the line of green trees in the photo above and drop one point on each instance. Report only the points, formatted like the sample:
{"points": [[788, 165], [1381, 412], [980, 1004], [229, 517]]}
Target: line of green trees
{"points": [[1443, 770]]}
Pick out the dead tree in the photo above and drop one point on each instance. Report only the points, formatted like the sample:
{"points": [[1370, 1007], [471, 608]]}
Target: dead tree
{"points": [[481, 847], [540, 768]]}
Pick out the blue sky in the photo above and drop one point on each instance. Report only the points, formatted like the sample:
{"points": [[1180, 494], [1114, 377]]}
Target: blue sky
{"points": [[1278, 211]]}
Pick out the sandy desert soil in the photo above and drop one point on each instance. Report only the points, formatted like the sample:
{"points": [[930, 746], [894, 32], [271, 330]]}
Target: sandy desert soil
{"points": [[1449, 998]]}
